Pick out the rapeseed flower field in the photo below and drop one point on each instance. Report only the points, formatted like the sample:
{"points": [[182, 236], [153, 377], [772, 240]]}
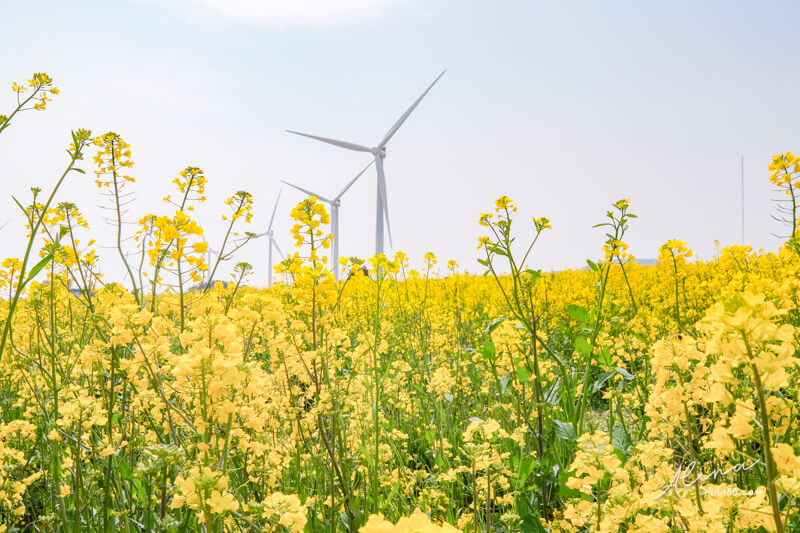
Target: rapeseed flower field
{"points": [[618, 397]]}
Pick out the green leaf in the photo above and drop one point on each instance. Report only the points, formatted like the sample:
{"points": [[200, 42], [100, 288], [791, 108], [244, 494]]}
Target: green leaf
{"points": [[523, 374], [38, 267], [564, 430], [551, 396], [497, 250], [578, 313], [620, 440], [534, 275], [394, 491], [605, 357], [601, 380], [583, 346], [124, 469], [592, 265], [531, 524], [18, 204], [365, 453], [525, 469], [140, 491], [503, 383], [493, 325], [488, 351], [345, 520], [624, 373]]}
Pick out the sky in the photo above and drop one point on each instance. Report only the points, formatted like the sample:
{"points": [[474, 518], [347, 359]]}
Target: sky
{"points": [[565, 107]]}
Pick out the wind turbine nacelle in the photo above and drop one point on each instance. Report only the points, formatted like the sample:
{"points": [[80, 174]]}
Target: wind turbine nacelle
{"points": [[379, 151]]}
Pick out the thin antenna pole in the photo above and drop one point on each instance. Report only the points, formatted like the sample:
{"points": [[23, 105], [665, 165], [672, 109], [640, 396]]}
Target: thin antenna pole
{"points": [[743, 200]]}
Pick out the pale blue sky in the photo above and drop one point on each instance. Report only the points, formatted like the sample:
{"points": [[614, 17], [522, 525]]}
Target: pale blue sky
{"points": [[564, 106]]}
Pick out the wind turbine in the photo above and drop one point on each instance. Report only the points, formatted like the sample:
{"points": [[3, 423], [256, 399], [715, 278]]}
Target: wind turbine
{"points": [[270, 233], [379, 153], [209, 252], [335, 203]]}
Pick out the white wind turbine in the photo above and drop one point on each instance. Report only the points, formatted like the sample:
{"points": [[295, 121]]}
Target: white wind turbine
{"points": [[209, 252], [270, 233], [379, 153], [335, 203]]}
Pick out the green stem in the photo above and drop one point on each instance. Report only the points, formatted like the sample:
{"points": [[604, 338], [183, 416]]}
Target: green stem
{"points": [[136, 294], [587, 367], [628, 283], [375, 416], [19, 108], [766, 440]]}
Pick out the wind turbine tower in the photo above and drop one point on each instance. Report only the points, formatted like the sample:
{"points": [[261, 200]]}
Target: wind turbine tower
{"points": [[270, 234]]}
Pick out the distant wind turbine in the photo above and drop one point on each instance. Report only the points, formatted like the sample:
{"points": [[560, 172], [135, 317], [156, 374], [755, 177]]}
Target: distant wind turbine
{"points": [[209, 252], [335, 203], [272, 242], [379, 153]]}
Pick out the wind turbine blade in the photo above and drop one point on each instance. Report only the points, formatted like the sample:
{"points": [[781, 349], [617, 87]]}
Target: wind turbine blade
{"points": [[341, 144], [405, 115], [306, 191], [352, 181], [384, 200], [272, 218], [5, 224], [275, 243]]}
